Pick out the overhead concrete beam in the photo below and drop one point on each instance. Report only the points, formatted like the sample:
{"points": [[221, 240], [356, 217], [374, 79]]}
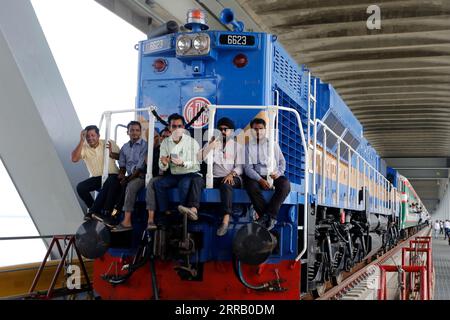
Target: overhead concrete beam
{"points": [[337, 12], [357, 28], [405, 77], [368, 41], [418, 163], [424, 173]]}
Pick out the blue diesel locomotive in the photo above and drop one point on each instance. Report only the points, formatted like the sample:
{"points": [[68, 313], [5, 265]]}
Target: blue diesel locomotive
{"points": [[342, 208]]}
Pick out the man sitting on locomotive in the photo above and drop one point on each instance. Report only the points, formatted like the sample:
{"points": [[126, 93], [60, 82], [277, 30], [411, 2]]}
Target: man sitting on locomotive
{"points": [[227, 167], [90, 149], [256, 160], [179, 154], [131, 162]]}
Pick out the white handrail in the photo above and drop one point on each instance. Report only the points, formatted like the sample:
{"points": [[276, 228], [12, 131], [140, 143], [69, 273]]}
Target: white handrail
{"points": [[107, 117], [272, 133], [313, 98], [377, 174], [324, 165], [115, 130]]}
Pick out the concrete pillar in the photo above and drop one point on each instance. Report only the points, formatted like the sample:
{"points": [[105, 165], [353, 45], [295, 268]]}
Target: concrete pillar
{"points": [[38, 124]]}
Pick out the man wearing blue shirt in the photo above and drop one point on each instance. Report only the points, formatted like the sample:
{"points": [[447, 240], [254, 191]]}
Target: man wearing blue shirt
{"points": [[131, 174], [257, 159]]}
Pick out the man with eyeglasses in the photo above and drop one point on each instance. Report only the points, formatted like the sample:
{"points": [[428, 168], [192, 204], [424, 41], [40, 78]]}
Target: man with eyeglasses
{"points": [[257, 159], [227, 168], [179, 154]]}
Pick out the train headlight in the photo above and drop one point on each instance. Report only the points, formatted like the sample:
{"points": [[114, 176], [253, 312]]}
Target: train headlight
{"points": [[200, 43], [183, 44], [193, 44]]}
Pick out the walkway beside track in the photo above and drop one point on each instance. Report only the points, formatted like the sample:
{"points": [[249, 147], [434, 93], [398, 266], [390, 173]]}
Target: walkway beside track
{"points": [[441, 262]]}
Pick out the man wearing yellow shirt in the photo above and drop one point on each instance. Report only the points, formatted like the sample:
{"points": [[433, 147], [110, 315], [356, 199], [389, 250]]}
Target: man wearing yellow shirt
{"points": [[91, 149]]}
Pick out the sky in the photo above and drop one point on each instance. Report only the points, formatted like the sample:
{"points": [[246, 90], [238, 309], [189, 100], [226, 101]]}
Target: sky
{"points": [[94, 51]]}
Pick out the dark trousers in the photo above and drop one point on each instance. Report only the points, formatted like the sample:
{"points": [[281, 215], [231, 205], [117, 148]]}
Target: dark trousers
{"points": [[226, 193], [106, 196], [189, 185], [254, 190]]}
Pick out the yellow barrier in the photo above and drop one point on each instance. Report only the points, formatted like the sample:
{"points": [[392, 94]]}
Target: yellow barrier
{"points": [[15, 281]]}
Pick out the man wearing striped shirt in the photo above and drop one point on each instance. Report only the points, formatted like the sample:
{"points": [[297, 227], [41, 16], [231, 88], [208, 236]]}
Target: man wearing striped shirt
{"points": [[257, 159]]}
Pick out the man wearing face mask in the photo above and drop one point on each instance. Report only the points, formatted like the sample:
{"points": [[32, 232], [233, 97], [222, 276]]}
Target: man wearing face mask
{"points": [[90, 149], [257, 159], [179, 154]]}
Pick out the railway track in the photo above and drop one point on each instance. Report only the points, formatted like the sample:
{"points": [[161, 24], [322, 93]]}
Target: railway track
{"points": [[362, 278]]}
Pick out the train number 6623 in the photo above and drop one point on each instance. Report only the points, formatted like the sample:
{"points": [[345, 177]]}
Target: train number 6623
{"points": [[237, 40]]}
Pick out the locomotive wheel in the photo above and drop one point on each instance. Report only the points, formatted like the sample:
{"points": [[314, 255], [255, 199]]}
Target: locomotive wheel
{"points": [[319, 290], [336, 280]]}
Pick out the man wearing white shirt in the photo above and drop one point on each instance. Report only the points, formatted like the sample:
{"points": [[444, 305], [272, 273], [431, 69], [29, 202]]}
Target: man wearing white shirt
{"points": [[179, 153], [227, 167]]}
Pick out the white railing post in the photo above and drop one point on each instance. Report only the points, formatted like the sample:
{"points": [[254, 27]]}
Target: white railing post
{"points": [[379, 192], [314, 99], [383, 189], [309, 109], [210, 157], [151, 138], [338, 165], [365, 188], [271, 131], [369, 187], [349, 174], [107, 117], [116, 129], [324, 164], [374, 197], [277, 131], [377, 185], [357, 182]]}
